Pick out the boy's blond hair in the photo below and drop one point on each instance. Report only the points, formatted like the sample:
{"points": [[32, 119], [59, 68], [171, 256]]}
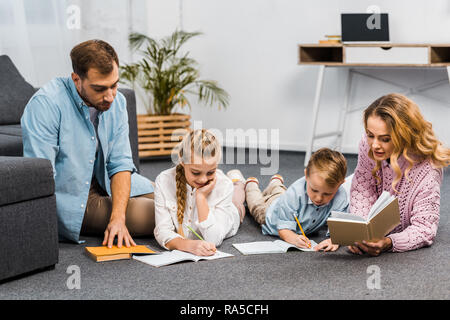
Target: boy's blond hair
{"points": [[329, 164]]}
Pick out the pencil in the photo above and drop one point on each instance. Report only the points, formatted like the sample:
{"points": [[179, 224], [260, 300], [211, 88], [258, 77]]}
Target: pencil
{"points": [[198, 236], [301, 229]]}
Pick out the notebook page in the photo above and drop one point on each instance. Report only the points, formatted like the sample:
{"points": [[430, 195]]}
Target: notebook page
{"points": [[286, 245], [258, 247], [164, 258], [217, 255]]}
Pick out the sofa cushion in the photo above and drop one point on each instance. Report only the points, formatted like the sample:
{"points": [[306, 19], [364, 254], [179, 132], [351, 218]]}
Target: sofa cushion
{"points": [[11, 145], [14, 92], [11, 130], [25, 179]]}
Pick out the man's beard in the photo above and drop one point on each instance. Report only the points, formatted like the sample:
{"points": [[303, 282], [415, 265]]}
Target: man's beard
{"points": [[100, 106]]}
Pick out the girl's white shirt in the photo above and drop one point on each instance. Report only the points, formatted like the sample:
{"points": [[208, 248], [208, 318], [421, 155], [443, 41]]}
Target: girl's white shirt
{"points": [[223, 218]]}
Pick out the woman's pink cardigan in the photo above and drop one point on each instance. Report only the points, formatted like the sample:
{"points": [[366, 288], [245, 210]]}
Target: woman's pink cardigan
{"points": [[418, 197]]}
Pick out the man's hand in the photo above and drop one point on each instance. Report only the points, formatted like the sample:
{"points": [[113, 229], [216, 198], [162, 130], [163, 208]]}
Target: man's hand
{"points": [[116, 227]]}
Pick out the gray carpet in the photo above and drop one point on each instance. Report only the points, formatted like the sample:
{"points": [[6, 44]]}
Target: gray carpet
{"points": [[420, 274]]}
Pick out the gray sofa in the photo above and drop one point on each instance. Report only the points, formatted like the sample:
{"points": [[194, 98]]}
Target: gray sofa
{"points": [[28, 219]]}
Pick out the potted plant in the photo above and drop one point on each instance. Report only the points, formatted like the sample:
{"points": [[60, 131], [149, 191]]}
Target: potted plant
{"points": [[168, 77]]}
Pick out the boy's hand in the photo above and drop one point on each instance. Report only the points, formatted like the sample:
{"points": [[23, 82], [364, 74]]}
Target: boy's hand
{"points": [[302, 242], [326, 245], [294, 238]]}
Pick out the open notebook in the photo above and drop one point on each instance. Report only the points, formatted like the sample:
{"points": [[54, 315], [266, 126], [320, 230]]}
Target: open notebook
{"points": [[383, 217], [174, 256], [261, 247]]}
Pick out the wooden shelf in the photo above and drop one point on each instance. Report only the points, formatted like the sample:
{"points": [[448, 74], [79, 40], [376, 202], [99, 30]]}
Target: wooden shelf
{"points": [[433, 55]]}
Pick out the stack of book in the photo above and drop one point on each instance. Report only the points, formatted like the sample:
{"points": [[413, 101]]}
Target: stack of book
{"points": [[331, 39]]}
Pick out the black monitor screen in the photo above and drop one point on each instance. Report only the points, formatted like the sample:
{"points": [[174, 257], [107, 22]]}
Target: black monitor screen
{"points": [[364, 27]]}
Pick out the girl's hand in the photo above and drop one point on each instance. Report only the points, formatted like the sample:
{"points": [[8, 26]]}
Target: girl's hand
{"points": [[326, 245], [206, 189], [202, 248]]}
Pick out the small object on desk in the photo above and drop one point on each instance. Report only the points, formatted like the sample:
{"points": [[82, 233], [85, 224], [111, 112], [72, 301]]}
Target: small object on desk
{"points": [[262, 247], [104, 253], [333, 39], [174, 256]]}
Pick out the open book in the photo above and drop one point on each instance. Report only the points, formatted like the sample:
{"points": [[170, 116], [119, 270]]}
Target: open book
{"points": [[384, 216], [104, 253], [174, 256], [261, 247]]}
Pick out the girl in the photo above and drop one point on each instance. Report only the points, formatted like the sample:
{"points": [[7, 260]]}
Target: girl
{"points": [[194, 199], [400, 154]]}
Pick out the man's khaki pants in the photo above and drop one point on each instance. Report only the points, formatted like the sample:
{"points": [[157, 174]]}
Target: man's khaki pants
{"points": [[140, 215]]}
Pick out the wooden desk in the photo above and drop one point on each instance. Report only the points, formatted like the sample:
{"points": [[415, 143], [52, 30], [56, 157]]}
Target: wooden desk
{"points": [[354, 56]]}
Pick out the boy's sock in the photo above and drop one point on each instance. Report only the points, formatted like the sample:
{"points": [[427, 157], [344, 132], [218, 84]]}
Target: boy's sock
{"points": [[251, 179], [277, 176]]}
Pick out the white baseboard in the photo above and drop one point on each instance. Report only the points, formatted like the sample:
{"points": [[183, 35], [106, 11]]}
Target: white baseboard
{"points": [[289, 146]]}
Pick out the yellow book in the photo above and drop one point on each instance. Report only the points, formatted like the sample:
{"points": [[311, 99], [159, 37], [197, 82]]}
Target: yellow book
{"points": [[104, 253]]}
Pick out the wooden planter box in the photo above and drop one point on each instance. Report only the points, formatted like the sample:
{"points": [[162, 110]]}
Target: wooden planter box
{"points": [[158, 135]]}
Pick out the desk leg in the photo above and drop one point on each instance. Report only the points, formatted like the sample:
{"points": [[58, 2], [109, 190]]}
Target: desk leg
{"points": [[448, 73], [315, 112], [344, 110]]}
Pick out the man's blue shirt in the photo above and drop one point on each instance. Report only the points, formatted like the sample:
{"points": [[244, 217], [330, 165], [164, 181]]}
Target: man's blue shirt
{"points": [[56, 125]]}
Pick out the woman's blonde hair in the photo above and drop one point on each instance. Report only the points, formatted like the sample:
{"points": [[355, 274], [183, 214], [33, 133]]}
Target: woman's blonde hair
{"points": [[412, 136], [202, 144], [331, 165]]}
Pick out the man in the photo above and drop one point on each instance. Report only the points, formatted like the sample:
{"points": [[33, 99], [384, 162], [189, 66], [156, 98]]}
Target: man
{"points": [[81, 125]]}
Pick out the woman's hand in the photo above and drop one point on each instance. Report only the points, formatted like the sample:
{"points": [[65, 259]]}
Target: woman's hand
{"points": [[326, 245], [372, 248]]}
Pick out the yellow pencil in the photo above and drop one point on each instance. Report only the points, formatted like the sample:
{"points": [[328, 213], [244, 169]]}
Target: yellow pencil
{"points": [[301, 229]]}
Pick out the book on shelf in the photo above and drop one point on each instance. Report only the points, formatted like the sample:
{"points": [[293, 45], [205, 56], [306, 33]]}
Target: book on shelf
{"points": [[104, 253], [174, 256], [262, 247], [383, 217]]}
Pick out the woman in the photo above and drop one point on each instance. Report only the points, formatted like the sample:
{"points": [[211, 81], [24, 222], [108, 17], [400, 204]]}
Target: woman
{"points": [[400, 154]]}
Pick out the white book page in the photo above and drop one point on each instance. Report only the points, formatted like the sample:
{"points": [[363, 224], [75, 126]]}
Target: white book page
{"points": [[338, 216], [380, 204], [258, 247], [286, 245]]}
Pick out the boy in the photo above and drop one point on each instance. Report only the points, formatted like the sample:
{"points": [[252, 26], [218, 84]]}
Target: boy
{"points": [[309, 199]]}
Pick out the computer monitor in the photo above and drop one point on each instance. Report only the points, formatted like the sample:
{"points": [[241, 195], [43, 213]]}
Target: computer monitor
{"points": [[364, 27]]}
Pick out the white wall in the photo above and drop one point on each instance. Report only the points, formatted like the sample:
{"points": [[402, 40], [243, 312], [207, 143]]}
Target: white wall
{"points": [[250, 48]]}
